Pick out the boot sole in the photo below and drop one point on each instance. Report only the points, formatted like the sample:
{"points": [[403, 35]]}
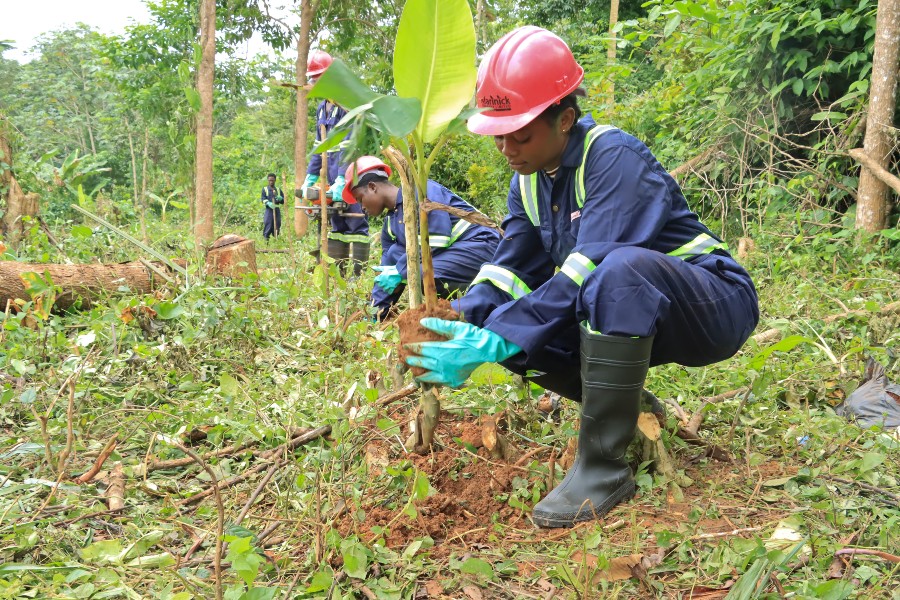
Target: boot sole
{"points": [[588, 513]]}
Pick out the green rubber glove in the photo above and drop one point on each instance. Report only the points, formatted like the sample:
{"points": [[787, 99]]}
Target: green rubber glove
{"points": [[270, 205], [337, 188], [388, 279], [450, 363], [310, 181]]}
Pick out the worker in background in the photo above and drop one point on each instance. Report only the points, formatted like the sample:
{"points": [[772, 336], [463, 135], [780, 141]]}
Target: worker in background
{"points": [[348, 237], [458, 247], [603, 271], [272, 199]]}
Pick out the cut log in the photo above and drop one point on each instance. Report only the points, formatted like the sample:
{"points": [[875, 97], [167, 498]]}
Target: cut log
{"points": [[231, 256], [79, 285]]}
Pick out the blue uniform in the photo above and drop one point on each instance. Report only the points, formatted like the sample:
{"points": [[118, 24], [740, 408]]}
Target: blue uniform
{"points": [[344, 229], [458, 248], [271, 216], [609, 241]]}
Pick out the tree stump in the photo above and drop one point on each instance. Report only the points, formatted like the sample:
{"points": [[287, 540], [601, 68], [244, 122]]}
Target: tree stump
{"points": [[231, 256]]}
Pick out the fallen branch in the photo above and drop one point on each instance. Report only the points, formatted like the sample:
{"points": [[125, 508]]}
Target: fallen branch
{"points": [[707, 536], [893, 307], [98, 464], [476, 218], [115, 493], [394, 396], [868, 552], [690, 164], [868, 487], [220, 516], [262, 485], [183, 462], [838, 563], [231, 481], [882, 174]]}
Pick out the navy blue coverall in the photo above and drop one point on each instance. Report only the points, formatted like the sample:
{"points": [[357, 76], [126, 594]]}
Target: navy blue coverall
{"points": [[619, 249], [271, 217], [344, 229], [458, 248]]}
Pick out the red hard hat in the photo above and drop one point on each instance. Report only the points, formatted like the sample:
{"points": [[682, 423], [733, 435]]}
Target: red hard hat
{"points": [[527, 70], [319, 60], [363, 164]]}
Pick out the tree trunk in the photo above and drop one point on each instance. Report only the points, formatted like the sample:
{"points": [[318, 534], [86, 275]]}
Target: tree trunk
{"points": [[84, 282], [873, 198], [134, 185], [144, 236], [231, 256], [203, 223], [611, 50], [301, 222], [17, 204]]}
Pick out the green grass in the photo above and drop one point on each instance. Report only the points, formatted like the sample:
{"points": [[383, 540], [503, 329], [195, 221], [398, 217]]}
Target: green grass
{"points": [[252, 363]]}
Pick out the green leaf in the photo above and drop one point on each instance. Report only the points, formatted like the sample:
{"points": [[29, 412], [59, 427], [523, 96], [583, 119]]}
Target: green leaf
{"points": [[870, 460], [434, 60], [797, 87], [356, 561], [81, 232], [153, 561], [339, 84], [476, 566], [396, 116], [168, 310], [193, 98], [258, 593], [140, 547], [228, 386], [672, 25], [102, 552], [828, 115], [321, 581], [835, 589], [421, 487]]}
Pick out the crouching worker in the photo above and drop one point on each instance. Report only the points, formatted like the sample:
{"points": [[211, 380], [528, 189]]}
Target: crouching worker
{"points": [[458, 248], [603, 270]]}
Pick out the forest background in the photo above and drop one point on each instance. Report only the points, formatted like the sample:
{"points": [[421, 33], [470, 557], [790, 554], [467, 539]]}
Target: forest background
{"points": [[755, 106]]}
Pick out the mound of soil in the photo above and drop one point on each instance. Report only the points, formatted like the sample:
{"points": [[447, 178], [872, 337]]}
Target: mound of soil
{"points": [[470, 493], [411, 329]]}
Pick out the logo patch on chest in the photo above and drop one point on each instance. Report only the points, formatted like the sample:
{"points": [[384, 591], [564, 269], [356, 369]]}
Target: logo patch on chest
{"points": [[575, 215]]}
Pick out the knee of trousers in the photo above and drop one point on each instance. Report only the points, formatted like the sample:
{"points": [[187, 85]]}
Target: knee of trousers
{"points": [[618, 297]]}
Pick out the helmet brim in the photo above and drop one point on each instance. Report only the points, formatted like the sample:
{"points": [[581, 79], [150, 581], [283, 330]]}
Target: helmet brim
{"points": [[488, 123]]}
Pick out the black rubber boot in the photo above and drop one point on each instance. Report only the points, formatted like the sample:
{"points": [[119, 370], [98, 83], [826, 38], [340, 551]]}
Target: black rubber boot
{"points": [[340, 252], [359, 256], [613, 370]]}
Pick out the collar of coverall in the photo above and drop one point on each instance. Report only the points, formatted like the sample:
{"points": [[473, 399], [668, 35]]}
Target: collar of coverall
{"points": [[571, 157]]}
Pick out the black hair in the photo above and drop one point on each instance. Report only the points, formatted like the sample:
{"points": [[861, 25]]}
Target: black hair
{"points": [[272, 175], [551, 113], [365, 178]]}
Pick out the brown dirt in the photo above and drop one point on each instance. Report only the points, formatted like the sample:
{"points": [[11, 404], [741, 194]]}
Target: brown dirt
{"points": [[469, 509], [411, 329], [466, 504]]}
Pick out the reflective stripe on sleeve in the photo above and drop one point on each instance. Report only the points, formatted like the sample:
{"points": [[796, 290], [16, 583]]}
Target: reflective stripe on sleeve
{"points": [[578, 267], [702, 244], [460, 228], [503, 279], [439, 241]]}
